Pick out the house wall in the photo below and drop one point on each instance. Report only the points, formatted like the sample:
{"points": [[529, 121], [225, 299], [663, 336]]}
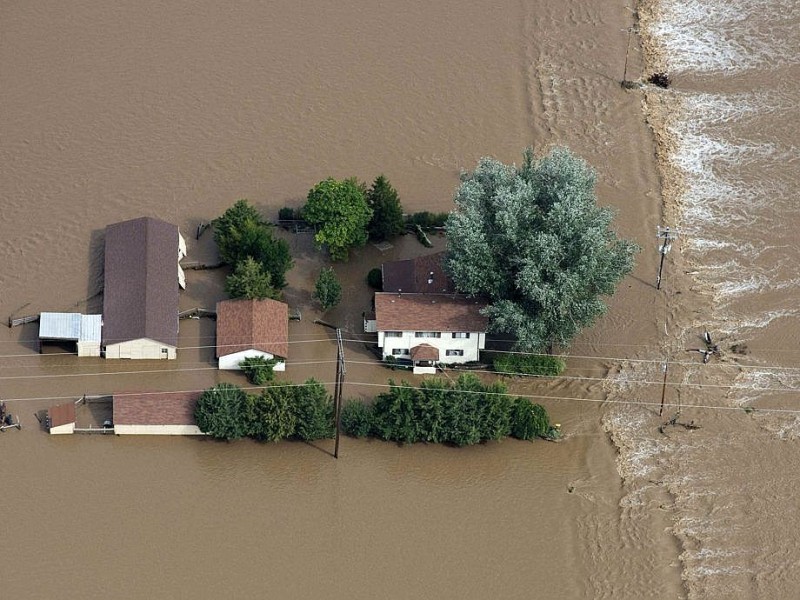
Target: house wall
{"points": [[231, 362], [63, 429], [157, 430], [143, 348], [471, 346], [88, 348]]}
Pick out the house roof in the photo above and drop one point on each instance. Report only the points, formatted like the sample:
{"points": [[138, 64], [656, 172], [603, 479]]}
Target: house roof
{"points": [[421, 275], [164, 408], [252, 324], [140, 296], [61, 414], [428, 312], [424, 352], [70, 326]]}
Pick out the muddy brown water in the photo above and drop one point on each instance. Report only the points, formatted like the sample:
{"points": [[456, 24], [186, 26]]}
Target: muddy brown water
{"points": [[176, 111]]}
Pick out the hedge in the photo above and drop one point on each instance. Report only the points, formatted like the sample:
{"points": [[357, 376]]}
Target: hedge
{"points": [[527, 364]]}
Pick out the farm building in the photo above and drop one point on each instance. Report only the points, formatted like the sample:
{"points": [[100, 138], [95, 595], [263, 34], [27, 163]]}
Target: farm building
{"points": [[61, 418], [161, 413], [140, 297], [83, 330], [421, 275], [249, 328]]}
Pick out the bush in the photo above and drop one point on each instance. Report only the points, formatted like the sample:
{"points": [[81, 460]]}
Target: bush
{"points": [[287, 213], [313, 410], [221, 412], [528, 420], [259, 370], [357, 419], [375, 279], [271, 414], [428, 220], [526, 364], [439, 411]]}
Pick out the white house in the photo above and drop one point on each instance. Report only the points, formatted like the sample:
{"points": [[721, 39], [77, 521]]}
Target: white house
{"points": [[250, 328], [140, 295], [84, 330], [428, 329], [163, 413]]}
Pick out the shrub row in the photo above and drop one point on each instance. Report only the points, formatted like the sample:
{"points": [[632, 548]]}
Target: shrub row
{"points": [[304, 412], [543, 366], [462, 413], [427, 220]]}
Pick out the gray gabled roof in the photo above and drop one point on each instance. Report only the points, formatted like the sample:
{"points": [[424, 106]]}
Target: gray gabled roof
{"points": [[140, 296]]}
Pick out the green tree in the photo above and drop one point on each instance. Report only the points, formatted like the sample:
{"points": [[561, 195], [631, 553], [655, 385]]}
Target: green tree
{"points": [[271, 415], [241, 232], [528, 420], [357, 419], [533, 242], [313, 410], [328, 290], [387, 213], [249, 280], [221, 411], [258, 369], [340, 210]]}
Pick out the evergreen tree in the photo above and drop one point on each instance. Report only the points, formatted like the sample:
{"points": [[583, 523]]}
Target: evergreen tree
{"points": [[221, 411], [387, 213], [249, 280], [328, 290]]}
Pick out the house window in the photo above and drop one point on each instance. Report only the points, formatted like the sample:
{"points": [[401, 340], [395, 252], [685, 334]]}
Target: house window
{"points": [[460, 335], [394, 334], [428, 334], [454, 353], [400, 352], [164, 351]]}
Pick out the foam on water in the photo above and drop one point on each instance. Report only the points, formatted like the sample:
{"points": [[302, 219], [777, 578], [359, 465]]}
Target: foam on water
{"points": [[724, 36]]}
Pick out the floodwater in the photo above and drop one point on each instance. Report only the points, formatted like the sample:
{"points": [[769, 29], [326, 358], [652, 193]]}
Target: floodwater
{"points": [[177, 110]]}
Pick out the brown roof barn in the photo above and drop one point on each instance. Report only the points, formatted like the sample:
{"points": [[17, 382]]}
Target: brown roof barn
{"points": [[421, 275], [140, 296], [162, 408], [428, 312], [252, 324]]}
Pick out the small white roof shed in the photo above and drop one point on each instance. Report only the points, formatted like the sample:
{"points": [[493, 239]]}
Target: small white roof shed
{"points": [[84, 330]]}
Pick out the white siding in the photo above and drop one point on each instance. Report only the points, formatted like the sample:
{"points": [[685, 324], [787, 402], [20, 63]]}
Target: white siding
{"points": [[143, 348], [157, 430], [63, 429], [470, 346], [230, 362]]}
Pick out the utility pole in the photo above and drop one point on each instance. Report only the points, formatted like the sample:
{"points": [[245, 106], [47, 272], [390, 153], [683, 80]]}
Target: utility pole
{"points": [[665, 237], [337, 390], [337, 395], [663, 391]]}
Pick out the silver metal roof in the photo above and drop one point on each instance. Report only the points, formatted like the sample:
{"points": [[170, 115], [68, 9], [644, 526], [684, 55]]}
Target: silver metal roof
{"points": [[70, 326]]}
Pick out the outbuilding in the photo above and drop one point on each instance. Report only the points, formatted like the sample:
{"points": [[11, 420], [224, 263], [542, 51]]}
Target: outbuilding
{"points": [[157, 413], [140, 296], [83, 330], [250, 328]]}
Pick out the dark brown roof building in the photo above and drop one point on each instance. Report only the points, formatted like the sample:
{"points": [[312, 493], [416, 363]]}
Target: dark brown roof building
{"points": [[421, 275], [252, 324], [163, 408], [428, 312], [140, 296]]}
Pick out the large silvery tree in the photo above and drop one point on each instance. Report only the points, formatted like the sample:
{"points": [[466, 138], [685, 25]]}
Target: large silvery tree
{"points": [[534, 243]]}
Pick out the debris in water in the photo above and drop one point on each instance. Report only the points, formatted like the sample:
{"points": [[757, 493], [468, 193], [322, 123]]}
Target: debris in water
{"points": [[661, 80]]}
